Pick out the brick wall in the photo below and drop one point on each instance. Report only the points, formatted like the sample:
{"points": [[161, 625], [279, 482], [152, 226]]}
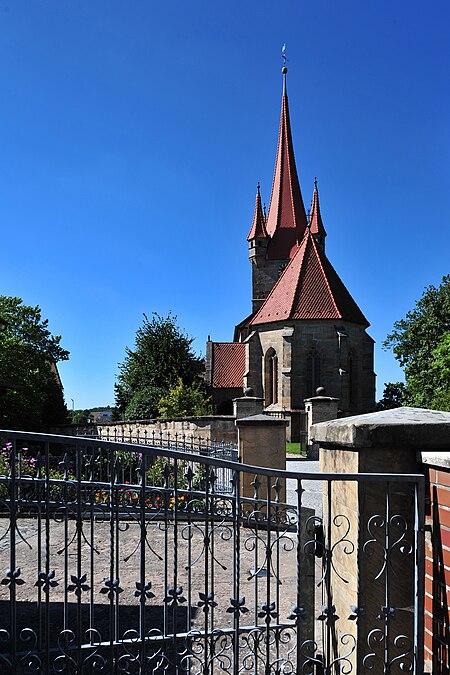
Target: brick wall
{"points": [[437, 570]]}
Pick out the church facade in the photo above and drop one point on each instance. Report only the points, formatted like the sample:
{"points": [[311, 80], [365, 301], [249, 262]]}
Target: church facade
{"points": [[305, 330]]}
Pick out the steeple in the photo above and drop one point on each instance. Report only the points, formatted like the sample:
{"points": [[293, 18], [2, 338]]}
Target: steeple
{"points": [[315, 219], [286, 220], [258, 228]]}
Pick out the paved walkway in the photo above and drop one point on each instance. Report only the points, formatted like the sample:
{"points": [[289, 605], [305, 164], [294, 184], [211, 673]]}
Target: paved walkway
{"points": [[312, 496]]}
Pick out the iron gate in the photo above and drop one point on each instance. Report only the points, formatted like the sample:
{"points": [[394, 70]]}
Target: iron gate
{"points": [[120, 558]]}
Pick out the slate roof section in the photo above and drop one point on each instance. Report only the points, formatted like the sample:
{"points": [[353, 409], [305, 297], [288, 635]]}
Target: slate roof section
{"points": [[258, 228], [228, 364], [286, 220], [309, 288]]}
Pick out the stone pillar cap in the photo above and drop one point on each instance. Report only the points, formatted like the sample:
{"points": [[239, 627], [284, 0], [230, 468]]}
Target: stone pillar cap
{"points": [[321, 398], [261, 420], [248, 398], [396, 428]]}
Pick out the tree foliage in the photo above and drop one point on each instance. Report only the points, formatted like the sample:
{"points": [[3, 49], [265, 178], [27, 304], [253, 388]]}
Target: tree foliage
{"points": [[393, 396], [161, 356], [30, 397], [440, 374], [184, 400], [420, 343]]}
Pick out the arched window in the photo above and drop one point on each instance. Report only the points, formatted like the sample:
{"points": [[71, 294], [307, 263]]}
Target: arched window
{"points": [[313, 374], [270, 377]]}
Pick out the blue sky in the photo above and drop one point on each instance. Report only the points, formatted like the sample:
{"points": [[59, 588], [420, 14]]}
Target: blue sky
{"points": [[133, 134]]}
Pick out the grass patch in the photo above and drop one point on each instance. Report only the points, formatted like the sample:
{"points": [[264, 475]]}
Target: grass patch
{"points": [[295, 449]]}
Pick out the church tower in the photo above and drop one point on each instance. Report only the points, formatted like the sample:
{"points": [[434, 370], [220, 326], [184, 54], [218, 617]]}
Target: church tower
{"points": [[305, 329]]}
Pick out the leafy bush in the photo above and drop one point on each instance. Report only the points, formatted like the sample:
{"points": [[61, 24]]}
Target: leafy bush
{"points": [[183, 401]]}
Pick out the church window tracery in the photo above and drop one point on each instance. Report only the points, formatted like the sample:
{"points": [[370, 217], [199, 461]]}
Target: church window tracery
{"points": [[271, 377]]}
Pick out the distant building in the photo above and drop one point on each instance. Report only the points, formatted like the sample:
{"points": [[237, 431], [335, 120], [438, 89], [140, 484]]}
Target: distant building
{"points": [[101, 416], [305, 329]]}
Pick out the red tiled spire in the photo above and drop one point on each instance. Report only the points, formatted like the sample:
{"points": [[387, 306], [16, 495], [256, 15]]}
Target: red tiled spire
{"points": [[286, 221], [315, 218], [258, 228], [309, 288]]}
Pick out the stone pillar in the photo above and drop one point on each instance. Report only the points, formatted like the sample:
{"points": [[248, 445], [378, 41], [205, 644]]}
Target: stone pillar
{"points": [[246, 406], [286, 368], [319, 408], [375, 589], [261, 442]]}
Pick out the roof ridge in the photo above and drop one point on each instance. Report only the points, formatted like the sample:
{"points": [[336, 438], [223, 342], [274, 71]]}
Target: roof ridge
{"points": [[316, 250], [300, 267]]}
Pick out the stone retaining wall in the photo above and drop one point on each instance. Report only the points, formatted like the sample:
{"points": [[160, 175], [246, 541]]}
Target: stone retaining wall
{"points": [[208, 428]]}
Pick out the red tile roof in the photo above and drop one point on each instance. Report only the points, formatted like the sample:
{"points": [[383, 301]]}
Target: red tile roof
{"points": [[258, 228], [228, 364], [315, 217], [309, 288], [286, 220]]}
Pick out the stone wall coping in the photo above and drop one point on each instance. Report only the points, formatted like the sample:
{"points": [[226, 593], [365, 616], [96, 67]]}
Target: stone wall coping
{"points": [[398, 428], [153, 420], [435, 458], [261, 420]]}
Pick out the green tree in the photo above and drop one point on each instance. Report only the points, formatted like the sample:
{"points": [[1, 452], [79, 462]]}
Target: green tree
{"points": [[440, 374], [393, 396], [184, 400], [79, 416], [162, 354], [144, 403], [419, 342], [31, 397]]}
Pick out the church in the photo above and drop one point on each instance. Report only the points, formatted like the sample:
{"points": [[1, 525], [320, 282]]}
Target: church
{"points": [[305, 329]]}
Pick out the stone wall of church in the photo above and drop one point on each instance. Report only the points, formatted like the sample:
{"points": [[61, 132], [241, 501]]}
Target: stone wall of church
{"points": [[343, 350]]}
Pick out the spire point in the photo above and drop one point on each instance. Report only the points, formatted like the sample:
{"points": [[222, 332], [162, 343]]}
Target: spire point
{"points": [[284, 68], [286, 217], [258, 187], [315, 182]]}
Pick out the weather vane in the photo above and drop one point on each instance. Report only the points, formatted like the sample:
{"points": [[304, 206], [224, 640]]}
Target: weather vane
{"points": [[283, 54]]}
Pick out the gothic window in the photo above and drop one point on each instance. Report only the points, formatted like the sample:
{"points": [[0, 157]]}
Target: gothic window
{"points": [[312, 374], [271, 377]]}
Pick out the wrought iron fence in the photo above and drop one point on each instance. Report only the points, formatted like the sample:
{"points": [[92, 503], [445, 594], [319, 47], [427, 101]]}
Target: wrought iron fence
{"points": [[120, 558], [171, 440]]}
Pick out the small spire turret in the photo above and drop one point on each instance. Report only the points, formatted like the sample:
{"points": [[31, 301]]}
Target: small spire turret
{"points": [[258, 228], [315, 219]]}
